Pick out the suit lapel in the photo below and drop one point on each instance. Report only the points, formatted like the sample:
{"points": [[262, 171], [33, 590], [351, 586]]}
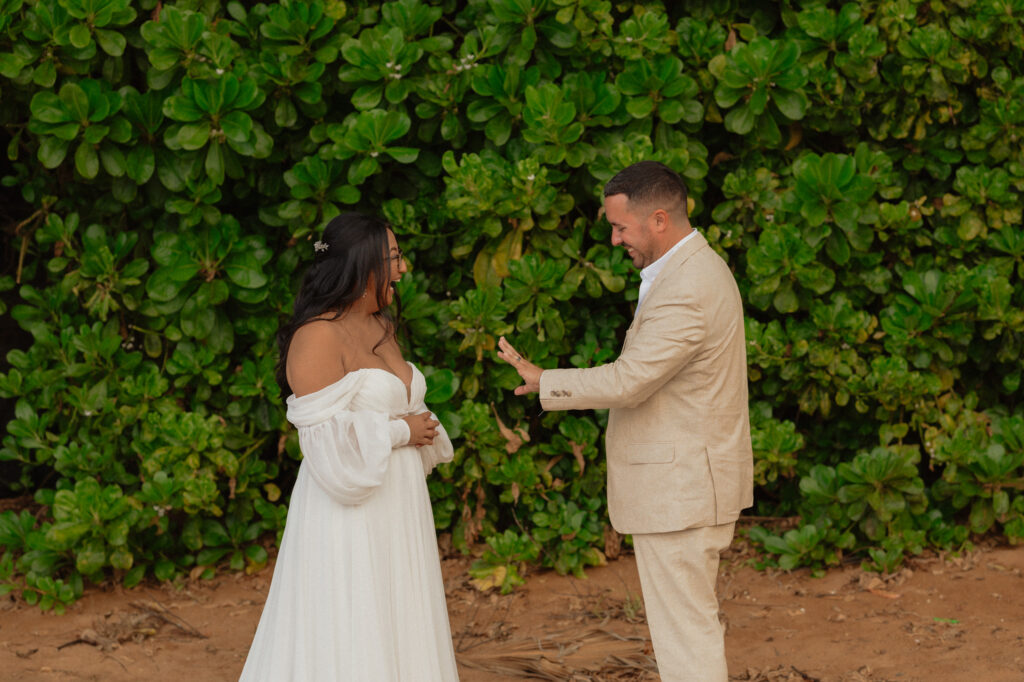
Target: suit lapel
{"points": [[691, 247], [675, 262], [678, 258]]}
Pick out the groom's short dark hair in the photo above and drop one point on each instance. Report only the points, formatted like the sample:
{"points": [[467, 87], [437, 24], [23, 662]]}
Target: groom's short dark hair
{"points": [[650, 182]]}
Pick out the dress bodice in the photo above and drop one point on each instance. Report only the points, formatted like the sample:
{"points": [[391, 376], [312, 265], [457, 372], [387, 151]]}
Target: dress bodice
{"points": [[369, 389], [383, 391], [348, 429]]}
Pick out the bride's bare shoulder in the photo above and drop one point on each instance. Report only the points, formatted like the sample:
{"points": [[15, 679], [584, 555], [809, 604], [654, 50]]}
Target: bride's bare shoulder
{"points": [[318, 330], [315, 357]]}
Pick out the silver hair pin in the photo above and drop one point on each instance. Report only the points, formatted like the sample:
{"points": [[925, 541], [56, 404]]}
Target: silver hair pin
{"points": [[319, 246]]}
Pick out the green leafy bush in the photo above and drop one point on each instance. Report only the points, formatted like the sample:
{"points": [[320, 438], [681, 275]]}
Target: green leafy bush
{"points": [[860, 167]]}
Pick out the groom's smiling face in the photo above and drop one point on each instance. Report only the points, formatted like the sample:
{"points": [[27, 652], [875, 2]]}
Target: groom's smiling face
{"points": [[630, 229]]}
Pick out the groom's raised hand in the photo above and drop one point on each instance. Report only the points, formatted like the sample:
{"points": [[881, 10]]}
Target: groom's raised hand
{"points": [[529, 372]]}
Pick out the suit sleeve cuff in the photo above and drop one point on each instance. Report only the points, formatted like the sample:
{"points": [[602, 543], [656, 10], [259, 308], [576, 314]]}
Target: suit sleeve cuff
{"points": [[549, 400]]}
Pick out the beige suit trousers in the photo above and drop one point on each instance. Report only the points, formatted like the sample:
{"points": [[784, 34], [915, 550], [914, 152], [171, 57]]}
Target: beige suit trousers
{"points": [[678, 572]]}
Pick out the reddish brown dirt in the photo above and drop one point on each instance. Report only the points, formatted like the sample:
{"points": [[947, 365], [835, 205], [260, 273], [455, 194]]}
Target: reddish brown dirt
{"points": [[939, 619]]}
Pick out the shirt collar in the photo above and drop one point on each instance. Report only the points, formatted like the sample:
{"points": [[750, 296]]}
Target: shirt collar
{"points": [[651, 271]]}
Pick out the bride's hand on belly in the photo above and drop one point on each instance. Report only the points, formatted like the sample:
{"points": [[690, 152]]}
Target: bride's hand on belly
{"points": [[422, 428]]}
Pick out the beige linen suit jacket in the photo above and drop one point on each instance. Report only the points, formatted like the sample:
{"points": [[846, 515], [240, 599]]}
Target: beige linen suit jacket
{"points": [[678, 441]]}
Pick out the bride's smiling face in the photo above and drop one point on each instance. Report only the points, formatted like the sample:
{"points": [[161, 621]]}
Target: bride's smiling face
{"points": [[396, 267], [396, 261]]}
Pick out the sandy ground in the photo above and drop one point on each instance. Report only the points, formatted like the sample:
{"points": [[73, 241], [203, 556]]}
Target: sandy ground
{"points": [[940, 619]]}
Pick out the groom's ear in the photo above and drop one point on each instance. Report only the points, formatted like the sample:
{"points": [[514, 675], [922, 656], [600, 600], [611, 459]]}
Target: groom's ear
{"points": [[660, 220]]}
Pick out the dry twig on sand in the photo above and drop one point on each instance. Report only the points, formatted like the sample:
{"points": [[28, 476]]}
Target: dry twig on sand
{"points": [[577, 655], [108, 634], [158, 610]]}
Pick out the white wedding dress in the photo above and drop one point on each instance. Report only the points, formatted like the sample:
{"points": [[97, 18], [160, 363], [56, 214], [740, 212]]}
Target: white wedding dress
{"points": [[357, 592]]}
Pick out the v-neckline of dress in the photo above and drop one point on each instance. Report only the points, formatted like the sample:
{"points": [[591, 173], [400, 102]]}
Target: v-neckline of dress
{"points": [[407, 386]]}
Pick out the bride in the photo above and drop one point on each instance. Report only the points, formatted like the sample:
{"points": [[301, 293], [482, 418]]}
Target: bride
{"points": [[357, 592]]}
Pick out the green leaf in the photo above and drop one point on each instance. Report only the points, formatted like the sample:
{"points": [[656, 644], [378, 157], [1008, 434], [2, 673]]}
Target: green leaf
{"points": [[11, 65], [403, 154], [362, 169], [499, 129], [152, 344], [838, 248], [111, 42], [256, 554], [95, 134], [740, 120], [80, 35], [113, 160], [441, 386], [90, 557], [285, 114], [214, 164], [480, 110], [640, 107], [792, 104], [167, 282], [197, 320], [346, 194], [982, 516], [671, 111], [121, 558], [245, 271], [785, 300], [134, 576], [45, 74], [52, 151], [48, 108], [194, 136], [181, 108], [208, 557], [75, 102], [164, 570], [214, 534], [310, 93], [237, 126], [87, 162], [141, 163]]}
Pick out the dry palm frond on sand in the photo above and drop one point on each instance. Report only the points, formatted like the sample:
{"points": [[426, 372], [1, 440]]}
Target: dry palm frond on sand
{"points": [[576, 655]]}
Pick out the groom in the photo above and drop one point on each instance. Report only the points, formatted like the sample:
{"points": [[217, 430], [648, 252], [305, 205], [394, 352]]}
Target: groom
{"points": [[680, 465]]}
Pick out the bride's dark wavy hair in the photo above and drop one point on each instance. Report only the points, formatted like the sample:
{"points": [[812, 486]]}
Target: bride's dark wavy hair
{"points": [[356, 247]]}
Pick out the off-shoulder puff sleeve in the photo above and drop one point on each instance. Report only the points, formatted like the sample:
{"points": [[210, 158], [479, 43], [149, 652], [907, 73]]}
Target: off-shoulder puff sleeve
{"points": [[440, 450], [347, 451]]}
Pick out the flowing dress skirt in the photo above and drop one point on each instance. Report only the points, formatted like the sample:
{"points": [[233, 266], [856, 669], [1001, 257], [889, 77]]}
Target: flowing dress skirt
{"points": [[357, 592]]}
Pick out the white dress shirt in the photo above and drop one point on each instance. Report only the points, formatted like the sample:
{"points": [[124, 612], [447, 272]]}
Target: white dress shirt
{"points": [[648, 274]]}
